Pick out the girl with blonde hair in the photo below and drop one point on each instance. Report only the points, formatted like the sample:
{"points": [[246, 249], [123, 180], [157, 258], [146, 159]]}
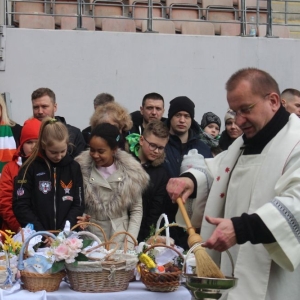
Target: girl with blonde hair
{"points": [[48, 189]]}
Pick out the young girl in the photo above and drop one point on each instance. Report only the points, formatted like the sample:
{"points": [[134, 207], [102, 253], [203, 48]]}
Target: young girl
{"points": [[29, 137], [210, 129], [48, 189], [113, 184]]}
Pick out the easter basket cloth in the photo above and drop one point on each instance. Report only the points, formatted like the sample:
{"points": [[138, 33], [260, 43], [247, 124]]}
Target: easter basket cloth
{"points": [[107, 268]]}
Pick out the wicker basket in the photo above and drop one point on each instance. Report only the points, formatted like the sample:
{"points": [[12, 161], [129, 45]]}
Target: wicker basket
{"points": [[160, 282], [34, 282], [89, 234], [109, 275]]}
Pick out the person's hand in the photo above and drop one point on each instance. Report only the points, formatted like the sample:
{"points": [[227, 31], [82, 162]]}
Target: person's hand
{"points": [[84, 218], [180, 187], [48, 241], [223, 236]]}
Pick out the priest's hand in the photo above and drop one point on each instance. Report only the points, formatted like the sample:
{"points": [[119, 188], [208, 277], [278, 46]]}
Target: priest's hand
{"points": [[180, 187], [223, 236]]}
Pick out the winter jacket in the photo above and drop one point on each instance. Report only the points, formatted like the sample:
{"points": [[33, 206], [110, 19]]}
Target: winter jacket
{"points": [[86, 132], [114, 203], [155, 197], [49, 196], [9, 172], [16, 131], [137, 120], [175, 150], [75, 138]]}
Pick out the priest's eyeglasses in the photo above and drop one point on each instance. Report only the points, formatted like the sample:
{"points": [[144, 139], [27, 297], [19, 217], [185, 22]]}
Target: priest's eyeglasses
{"points": [[153, 146], [243, 112]]}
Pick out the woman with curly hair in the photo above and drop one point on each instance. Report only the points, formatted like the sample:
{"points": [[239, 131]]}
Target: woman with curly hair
{"points": [[114, 114]]}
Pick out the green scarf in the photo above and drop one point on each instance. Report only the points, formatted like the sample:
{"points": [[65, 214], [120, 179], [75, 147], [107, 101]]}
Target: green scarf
{"points": [[133, 142]]}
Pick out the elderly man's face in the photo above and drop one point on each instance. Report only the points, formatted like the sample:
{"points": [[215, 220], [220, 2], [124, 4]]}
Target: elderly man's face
{"points": [[253, 111]]}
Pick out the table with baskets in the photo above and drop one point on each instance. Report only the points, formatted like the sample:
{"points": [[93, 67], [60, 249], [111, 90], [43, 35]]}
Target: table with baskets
{"points": [[135, 291], [110, 277]]}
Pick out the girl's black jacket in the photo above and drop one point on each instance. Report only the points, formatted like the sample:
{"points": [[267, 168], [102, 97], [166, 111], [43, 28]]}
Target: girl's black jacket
{"points": [[48, 196]]}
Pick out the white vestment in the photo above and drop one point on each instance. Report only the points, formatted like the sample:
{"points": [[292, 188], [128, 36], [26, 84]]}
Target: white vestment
{"points": [[267, 184]]}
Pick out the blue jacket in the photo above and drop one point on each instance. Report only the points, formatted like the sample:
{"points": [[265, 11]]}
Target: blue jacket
{"points": [[175, 150]]}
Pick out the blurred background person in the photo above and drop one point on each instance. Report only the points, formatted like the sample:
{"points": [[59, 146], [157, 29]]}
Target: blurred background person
{"points": [[210, 132], [290, 99], [99, 100], [10, 133], [232, 131], [114, 114]]}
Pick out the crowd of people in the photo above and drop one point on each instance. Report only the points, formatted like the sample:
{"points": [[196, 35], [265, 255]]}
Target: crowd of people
{"points": [[124, 170]]}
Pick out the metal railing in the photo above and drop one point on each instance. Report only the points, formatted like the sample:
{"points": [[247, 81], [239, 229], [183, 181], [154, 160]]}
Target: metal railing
{"points": [[149, 5]]}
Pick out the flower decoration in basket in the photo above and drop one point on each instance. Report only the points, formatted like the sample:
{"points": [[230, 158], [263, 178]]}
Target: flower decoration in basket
{"points": [[10, 248], [69, 248], [10, 245]]}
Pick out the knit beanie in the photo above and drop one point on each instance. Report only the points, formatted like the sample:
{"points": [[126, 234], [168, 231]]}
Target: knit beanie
{"points": [[209, 118], [181, 103], [229, 115], [30, 130]]}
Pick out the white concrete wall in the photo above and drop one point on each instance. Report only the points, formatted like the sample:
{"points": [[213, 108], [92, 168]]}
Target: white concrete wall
{"points": [[78, 65]]}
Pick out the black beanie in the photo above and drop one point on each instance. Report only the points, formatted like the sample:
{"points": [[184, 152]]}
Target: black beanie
{"points": [[209, 118], [181, 103]]}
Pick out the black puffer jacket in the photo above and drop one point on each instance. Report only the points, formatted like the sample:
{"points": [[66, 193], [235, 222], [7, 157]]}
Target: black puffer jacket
{"points": [[155, 198], [48, 197], [175, 150], [75, 137]]}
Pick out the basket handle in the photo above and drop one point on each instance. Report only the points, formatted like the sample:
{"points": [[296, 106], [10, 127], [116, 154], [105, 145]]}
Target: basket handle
{"points": [[157, 233], [24, 246], [106, 246], [125, 243], [166, 246], [200, 245], [93, 224], [165, 217]]}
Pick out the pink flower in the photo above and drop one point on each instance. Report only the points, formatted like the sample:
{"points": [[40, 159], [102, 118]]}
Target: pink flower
{"points": [[61, 252], [74, 244]]}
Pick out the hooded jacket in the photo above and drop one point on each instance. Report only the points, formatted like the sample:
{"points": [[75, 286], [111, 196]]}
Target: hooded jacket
{"points": [[48, 196], [9, 172], [114, 203]]}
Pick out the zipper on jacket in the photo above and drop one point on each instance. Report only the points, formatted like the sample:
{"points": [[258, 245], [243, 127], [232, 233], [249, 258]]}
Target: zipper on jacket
{"points": [[54, 174]]}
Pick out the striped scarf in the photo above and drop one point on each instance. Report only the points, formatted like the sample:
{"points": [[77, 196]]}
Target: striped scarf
{"points": [[7, 145]]}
